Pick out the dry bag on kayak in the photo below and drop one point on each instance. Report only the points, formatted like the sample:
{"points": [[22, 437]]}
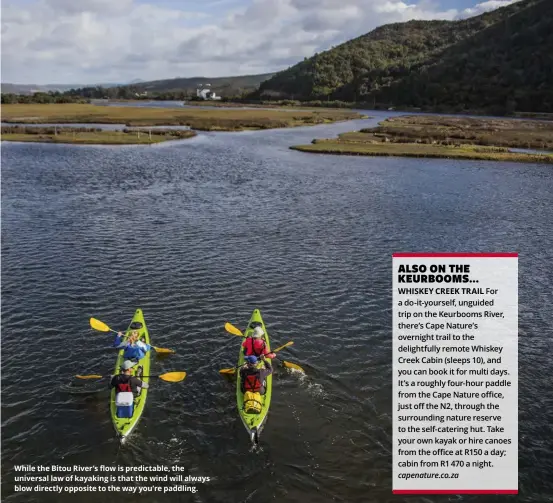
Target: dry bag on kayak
{"points": [[124, 403], [252, 403]]}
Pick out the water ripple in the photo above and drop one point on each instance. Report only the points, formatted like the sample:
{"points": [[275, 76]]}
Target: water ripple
{"points": [[199, 233]]}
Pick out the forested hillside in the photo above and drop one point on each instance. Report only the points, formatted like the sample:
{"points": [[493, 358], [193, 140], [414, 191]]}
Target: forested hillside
{"points": [[499, 61], [505, 68], [179, 88], [221, 84]]}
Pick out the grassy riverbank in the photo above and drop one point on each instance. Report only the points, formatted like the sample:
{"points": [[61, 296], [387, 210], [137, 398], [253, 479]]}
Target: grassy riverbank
{"points": [[444, 137], [429, 151], [90, 136], [213, 119]]}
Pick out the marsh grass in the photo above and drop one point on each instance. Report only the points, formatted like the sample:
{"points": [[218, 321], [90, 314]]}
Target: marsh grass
{"points": [[201, 119], [90, 136], [531, 134], [444, 137], [421, 150]]}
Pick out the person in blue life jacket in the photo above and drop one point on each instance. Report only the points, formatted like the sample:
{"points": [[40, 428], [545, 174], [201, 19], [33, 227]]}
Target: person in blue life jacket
{"points": [[134, 348], [252, 378]]}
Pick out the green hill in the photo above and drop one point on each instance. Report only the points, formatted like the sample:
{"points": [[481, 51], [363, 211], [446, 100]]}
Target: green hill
{"points": [[167, 88], [499, 61], [505, 68], [223, 86], [173, 89]]}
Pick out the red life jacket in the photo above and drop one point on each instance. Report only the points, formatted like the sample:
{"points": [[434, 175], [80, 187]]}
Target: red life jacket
{"points": [[250, 348], [124, 386], [252, 381]]}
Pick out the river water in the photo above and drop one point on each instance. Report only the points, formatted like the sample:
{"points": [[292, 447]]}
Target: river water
{"points": [[202, 231]]}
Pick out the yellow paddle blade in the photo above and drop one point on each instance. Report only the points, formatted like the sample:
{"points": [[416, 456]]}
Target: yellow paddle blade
{"points": [[98, 325], [163, 350], [227, 371], [173, 376], [294, 366], [93, 376], [282, 347], [231, 329]]}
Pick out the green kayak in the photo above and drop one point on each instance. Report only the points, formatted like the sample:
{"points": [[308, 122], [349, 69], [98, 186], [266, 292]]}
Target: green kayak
{"points": [[124, 426], [254, 422]]}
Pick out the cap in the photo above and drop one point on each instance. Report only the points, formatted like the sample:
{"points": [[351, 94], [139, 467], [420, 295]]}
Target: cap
{"points": [[127, 364], [251, 359]]}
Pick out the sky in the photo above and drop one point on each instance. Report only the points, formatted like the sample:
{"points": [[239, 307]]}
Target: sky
{"points": [[99, 41]]}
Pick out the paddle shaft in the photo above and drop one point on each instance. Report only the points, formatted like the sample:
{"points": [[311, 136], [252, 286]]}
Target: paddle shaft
{"points": [[112, 375], [162, 350], [102, 327], [231, 370], [167, 377], [236, 331]]}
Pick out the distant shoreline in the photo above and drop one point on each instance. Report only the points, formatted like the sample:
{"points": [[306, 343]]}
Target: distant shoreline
{"points": [[317, 105]]}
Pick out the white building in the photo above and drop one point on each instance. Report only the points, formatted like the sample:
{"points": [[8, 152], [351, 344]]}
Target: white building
{"points": [[205, 93]]}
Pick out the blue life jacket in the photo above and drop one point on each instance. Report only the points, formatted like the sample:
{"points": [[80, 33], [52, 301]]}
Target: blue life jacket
{"points": [[132, 352]]}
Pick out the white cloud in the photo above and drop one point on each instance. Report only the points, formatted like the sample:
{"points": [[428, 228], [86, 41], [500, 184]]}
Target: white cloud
{"points": [[89, 41], [104, 7], [484, 7]]}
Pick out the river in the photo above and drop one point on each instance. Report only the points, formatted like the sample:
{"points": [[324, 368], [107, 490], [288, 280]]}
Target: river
{"points": [[202, 231]]}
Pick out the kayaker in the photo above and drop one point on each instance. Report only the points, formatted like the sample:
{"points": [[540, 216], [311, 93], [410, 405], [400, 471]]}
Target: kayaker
{"points": [[126, 387], [253, 378], [255, 345], [125, 382], [134, 349]]}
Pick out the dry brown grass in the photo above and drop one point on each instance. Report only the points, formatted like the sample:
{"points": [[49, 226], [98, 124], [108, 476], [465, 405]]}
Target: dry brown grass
{"points": [[201, 119]]}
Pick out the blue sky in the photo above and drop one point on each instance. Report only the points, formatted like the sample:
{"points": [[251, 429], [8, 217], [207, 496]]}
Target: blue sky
{"points": [[94, 41]]}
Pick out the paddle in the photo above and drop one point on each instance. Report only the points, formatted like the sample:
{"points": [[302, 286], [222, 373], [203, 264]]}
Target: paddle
{"points": [[289, 343], [231, 329], [102, 327], [168, 377], [285, 363], [294, 366]]}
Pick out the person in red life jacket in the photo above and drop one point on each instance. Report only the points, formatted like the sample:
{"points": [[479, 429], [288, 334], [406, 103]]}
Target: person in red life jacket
{"points": [[253, 378], [255, 345], [125, 382], [126, 387]]}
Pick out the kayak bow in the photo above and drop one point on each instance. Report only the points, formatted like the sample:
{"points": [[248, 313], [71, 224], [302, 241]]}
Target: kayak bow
{"points": [[254, 423], [124, 426]]}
